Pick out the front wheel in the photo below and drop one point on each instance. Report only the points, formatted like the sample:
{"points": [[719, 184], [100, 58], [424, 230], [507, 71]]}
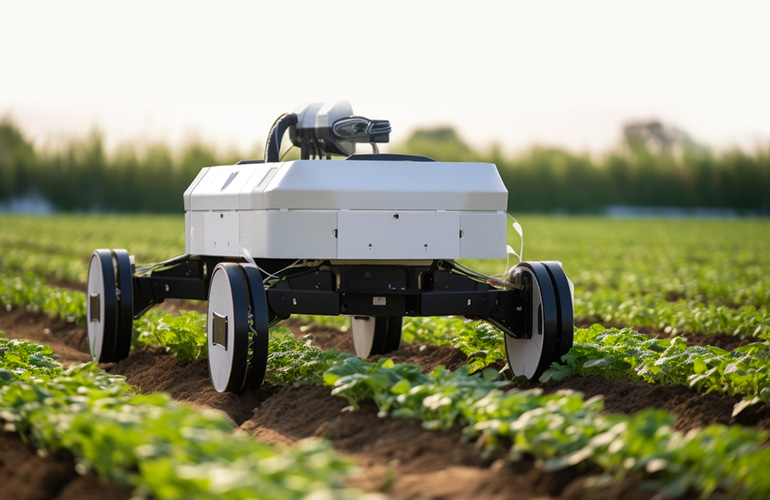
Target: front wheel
{"points": [[551, 319], [237, 328]]}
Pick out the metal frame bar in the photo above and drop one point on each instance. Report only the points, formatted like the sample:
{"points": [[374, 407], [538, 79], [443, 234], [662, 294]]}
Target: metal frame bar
{"points": [[358, 290]]}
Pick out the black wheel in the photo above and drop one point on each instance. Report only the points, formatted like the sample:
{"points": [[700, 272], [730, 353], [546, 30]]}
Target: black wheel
{"points": [[227, 328], [565, 300], [530, 357], [110, 305], [375, 335], [259, 326], [101, 306], [237, 328], [125, 295]]}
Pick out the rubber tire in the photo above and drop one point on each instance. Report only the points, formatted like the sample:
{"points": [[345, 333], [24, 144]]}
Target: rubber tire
{"points": [[259, 326], [125, 296], [531, 357], [102, 326], [228, 298], [564, 298], [385, 334]]}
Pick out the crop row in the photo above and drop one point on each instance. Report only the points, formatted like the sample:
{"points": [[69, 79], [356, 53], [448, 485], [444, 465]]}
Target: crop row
{"points": [[672, 318], [563, 430], [33, 293], [610, 353], [627, 354], [161, 448], [601, 306], [621, 354], [686, 276], [44, 264], [295, 361], [151, 238], [559, 430], [720, 262]]}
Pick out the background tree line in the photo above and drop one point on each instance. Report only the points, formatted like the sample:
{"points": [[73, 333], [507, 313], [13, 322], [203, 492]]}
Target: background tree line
{"points": [[654, 166]]}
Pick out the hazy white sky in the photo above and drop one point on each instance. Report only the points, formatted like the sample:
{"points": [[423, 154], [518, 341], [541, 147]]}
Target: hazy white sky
{"points": [[565, 73]]}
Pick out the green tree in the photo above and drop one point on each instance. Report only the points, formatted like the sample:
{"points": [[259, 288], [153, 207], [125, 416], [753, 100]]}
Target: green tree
{"points": [[18, 161]]}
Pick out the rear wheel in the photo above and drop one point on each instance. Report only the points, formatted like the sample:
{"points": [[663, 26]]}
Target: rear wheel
{"points": [[259, 326], [125, 293], [530, 357], [101, 306], [565, 298], [375, 335], [109, 308]]}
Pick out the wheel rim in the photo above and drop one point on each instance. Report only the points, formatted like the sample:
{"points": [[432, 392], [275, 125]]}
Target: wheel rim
{"points": [[363, 334], [227, 328], [380, 335], [530, 357], [101, 309]]}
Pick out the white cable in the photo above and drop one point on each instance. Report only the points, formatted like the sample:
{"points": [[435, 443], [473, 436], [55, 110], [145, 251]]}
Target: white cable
{"points": [[509, 249], [247, 256], [498, 281], [277, 273]]}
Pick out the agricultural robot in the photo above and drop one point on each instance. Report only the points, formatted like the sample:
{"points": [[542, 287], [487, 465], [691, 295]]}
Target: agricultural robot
{"points": [[375, 237]]}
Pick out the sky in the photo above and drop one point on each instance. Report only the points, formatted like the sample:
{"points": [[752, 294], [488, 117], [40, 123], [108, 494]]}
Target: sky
{"points": [[561, 73]]}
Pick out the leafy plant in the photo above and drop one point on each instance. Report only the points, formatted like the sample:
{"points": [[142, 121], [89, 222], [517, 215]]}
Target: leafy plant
{"points": [[297, 361], [183, 335], [626, 354], [481, 342], [559, 430], [163, 449], [704, 276], [562, 430], [31, 292]]}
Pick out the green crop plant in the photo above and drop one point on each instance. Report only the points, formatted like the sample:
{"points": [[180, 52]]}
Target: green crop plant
{"points": [[559, 430], [183, 335], [682, 276], [563, 429], [31, 292], [614, 353], [60, 267], [165, 450]]}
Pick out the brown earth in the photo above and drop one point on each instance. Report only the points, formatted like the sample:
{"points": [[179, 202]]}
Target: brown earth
{"points": [[397, 457], [26, 475]]}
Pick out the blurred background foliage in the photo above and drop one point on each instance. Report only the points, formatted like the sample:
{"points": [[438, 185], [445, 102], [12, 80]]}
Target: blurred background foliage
{"points": [[654, 165]]}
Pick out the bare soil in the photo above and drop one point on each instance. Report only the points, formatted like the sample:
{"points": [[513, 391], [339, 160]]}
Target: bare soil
{"points": [[26, 475], [394, 456]]}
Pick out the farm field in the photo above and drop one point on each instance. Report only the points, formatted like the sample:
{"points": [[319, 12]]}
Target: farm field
{"points": [[670, 367]]}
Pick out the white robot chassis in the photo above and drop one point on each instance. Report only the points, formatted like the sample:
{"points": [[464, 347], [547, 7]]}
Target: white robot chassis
{"points": [[375, 237]]}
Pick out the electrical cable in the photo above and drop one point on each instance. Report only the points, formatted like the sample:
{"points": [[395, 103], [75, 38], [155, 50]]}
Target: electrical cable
{"points": [[297, 263], [276, 275], [142, 270], [270, 133], [286, 152], [273, 145], [509, 250]]}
